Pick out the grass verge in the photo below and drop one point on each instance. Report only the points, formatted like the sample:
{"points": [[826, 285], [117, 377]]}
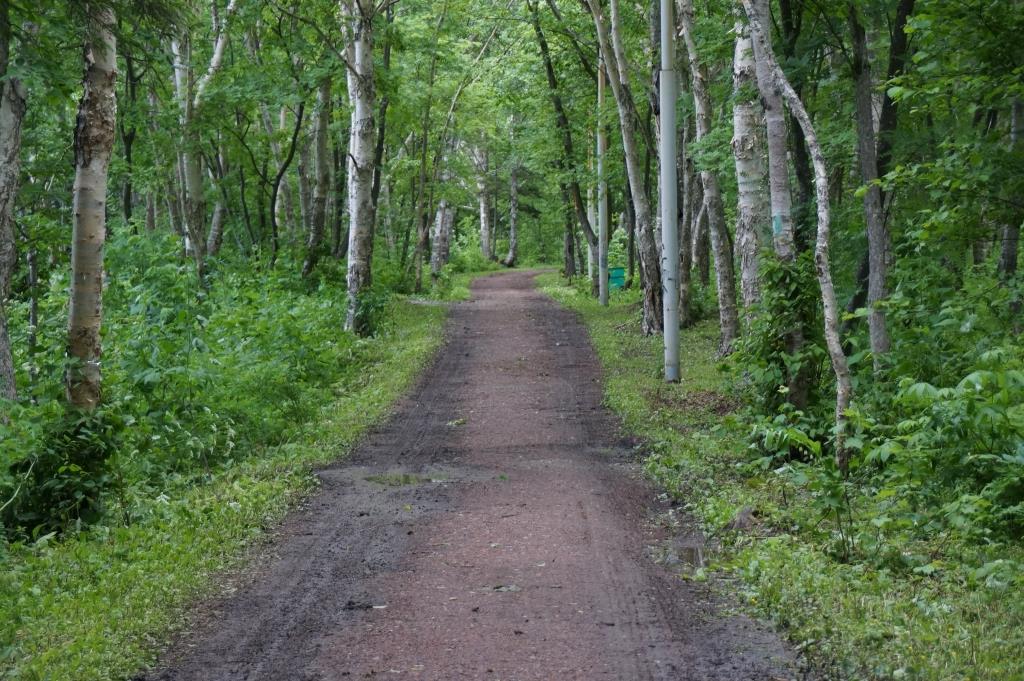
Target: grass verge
{"points": [[955, 620], [98, 604]]}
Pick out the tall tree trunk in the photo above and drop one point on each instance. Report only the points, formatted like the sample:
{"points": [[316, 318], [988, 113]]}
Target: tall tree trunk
{"points": [[280, 180], [567, 161], [568, 240], [339, 240], [358, 16], [721, 245], [748, 151], [128, 134], [12, 115], [878, 236], [284, 206], [618, 72], [513, 217], [306, 187], [441, 240], [94, 142], [686, 182], [480, 160], [382, 114], [421, 215], [840, 365], [322, 161], [603, 222], [151, 216], [220, 211], [783, 231]]}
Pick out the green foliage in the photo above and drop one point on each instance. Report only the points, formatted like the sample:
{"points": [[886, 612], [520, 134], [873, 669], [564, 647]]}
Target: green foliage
{"points": [[765, 362], [900, 571], [208, 436]]}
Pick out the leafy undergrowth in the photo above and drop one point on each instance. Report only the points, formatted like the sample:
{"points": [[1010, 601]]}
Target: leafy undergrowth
{"points": [[275, 387], [939, 608]]}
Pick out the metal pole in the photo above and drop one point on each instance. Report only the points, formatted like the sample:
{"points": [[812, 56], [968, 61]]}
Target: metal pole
{"points": [[602, 195], [667, 162]]}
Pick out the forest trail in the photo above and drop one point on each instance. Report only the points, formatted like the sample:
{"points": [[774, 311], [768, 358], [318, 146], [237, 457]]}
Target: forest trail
{"points": [[495, 528]]}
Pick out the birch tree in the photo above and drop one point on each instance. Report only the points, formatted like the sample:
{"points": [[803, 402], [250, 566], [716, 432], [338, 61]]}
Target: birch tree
{"points": [[358, 18], [190, 94], [840, 365], [613, 52], [748, 153], [94, 142], [878, 237], [721, 245], [481, 163]]}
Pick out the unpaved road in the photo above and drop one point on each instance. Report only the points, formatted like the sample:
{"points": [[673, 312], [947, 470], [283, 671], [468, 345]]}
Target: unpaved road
{"points": [[495, 528]]}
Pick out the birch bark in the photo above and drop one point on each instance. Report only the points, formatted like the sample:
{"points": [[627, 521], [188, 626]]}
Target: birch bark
{"points": [[358, 27], [94, 142], [721, 245], [840, 365], [748, 152], [513, 217]]}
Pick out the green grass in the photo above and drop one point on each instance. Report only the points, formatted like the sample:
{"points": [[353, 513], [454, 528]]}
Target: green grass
{"points": [[852, 620], [100, 603]]}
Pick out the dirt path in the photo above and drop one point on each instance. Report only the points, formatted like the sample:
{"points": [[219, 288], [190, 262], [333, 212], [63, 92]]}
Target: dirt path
{"points": [[495, 528]]}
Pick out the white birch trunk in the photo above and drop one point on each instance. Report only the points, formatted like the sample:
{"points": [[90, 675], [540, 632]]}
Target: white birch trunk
{"points": [[720, 243], [513, 217], [94, 142], [441, 238], [481, 162], [591, 248], [748, 152], [840, 365], [358, 28], [778, 152]]}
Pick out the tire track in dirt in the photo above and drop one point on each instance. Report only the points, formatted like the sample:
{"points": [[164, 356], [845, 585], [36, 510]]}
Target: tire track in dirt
{"points": [[495, 528]]}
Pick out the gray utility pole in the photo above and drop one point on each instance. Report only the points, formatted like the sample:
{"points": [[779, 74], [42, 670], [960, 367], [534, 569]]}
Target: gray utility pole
{"points": [[668, 88], [602, 194]]}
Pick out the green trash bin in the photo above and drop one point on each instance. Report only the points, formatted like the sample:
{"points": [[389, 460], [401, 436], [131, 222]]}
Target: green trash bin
{"points": [[616, 277]]}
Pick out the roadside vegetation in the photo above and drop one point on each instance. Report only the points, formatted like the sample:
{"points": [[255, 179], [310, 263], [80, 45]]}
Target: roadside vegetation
{"points": [[223, 407], [873, 591]]}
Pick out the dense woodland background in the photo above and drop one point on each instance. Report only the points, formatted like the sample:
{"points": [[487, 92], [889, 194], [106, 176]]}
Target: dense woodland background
{"points": [[214, 217]]}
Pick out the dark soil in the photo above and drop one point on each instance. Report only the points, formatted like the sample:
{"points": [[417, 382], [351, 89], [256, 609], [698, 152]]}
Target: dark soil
{"points": [[495, 528]]}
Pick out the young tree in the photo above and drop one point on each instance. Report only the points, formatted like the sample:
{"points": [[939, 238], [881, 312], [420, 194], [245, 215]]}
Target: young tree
{"points": [[94, 142]]}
